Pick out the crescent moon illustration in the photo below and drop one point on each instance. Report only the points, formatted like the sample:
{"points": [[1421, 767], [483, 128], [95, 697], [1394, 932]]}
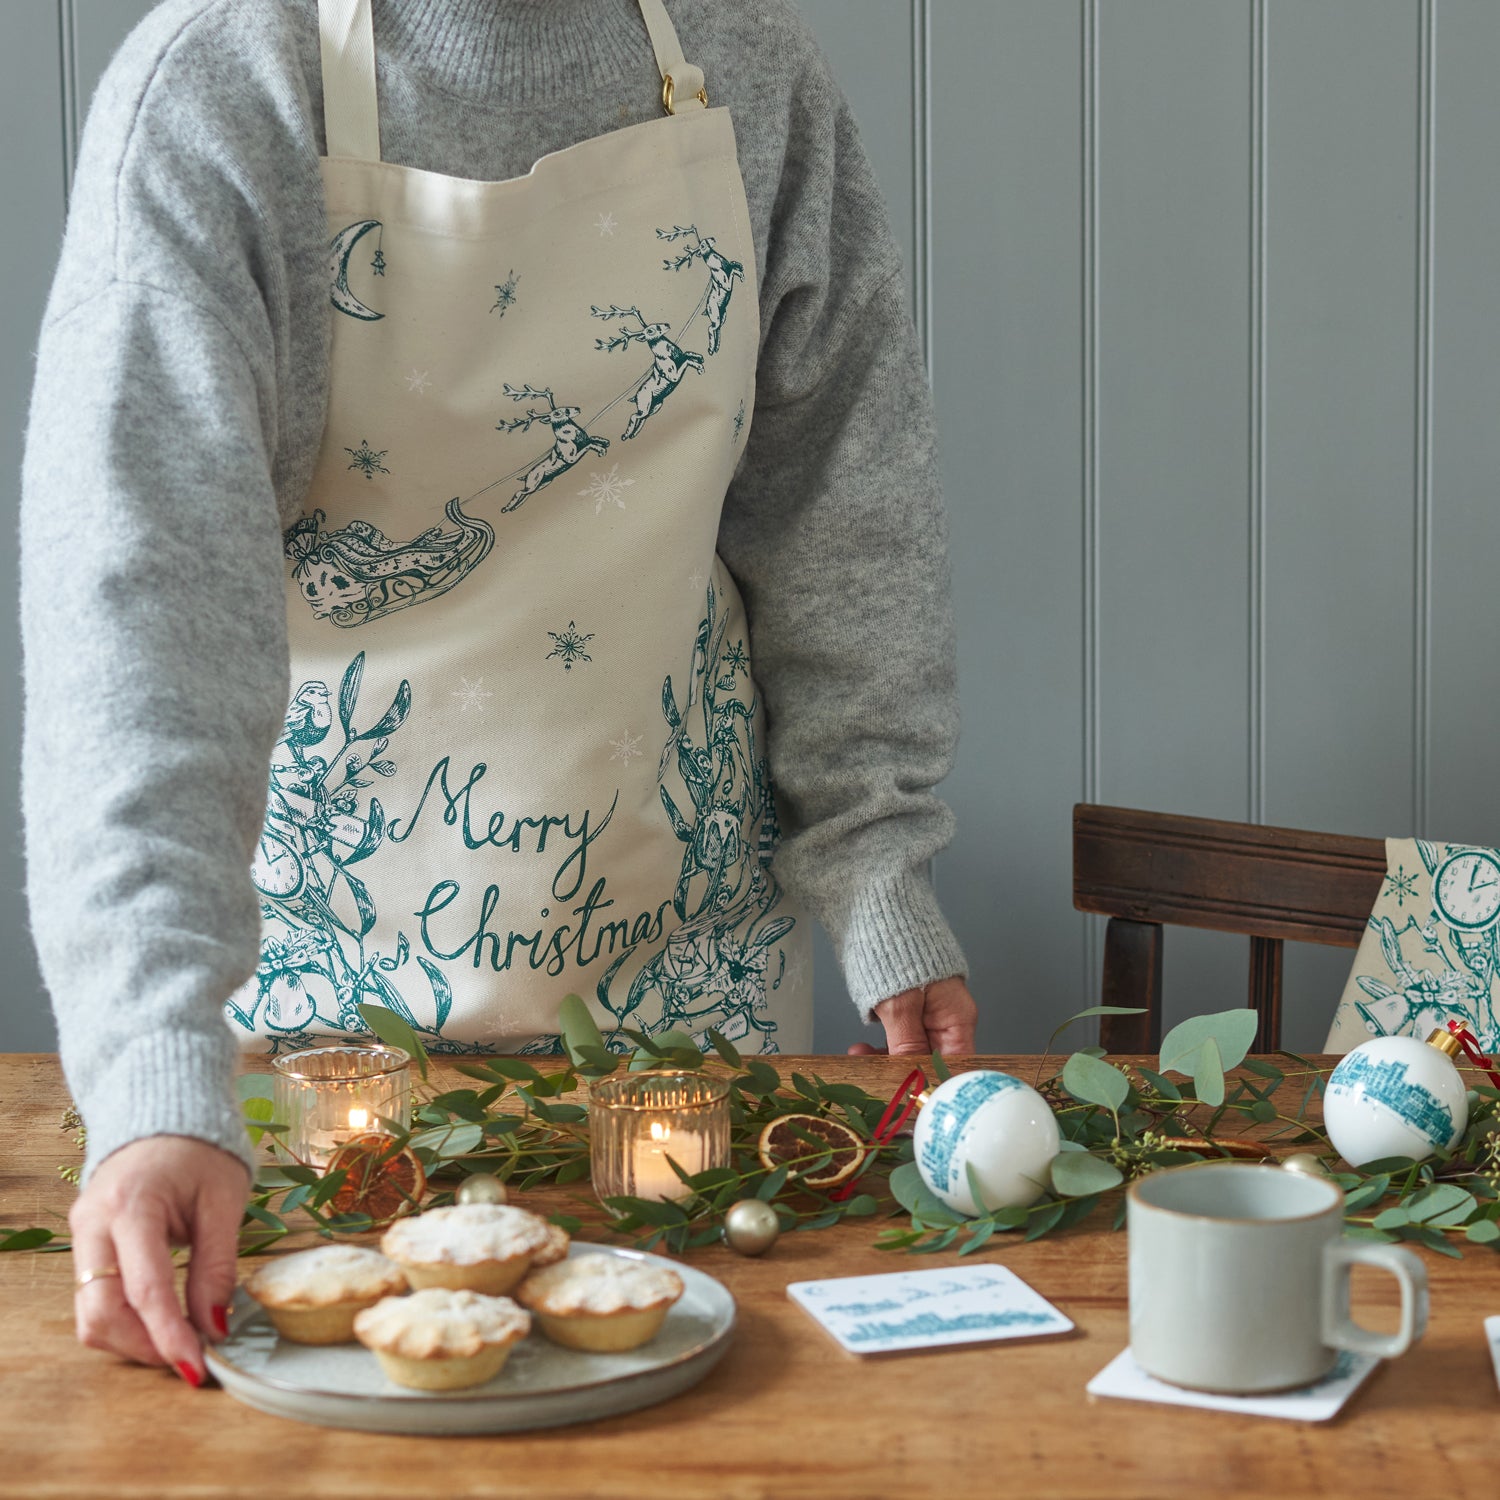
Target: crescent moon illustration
{"points": [[338, 270]]}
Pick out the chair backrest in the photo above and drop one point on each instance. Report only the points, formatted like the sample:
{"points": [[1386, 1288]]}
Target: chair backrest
{"points": [[1144, 869]]}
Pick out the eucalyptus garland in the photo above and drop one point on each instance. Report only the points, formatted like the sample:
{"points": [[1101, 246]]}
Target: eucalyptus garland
{"points": [[1117, 1121]]}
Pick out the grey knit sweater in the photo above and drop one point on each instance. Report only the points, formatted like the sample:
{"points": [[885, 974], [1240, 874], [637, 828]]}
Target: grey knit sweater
{"points": [[177, 412]]}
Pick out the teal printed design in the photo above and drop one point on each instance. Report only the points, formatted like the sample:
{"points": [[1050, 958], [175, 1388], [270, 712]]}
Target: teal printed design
{"points": [[739, 422], [949, 1117], [736, 659], [315, 968], [1443, 972], [377, 265], [505, 294], [1386, 1082], [1400, 885], [568, 645], [569, 441], [358, 574], [339, 251], [367, 459], [931, 1325], [712, 971], [722, 275], [669, 362]]}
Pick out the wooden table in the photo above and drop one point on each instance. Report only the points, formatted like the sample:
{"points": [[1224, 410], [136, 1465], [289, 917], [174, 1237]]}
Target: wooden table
{"points": [[786, 1413]]}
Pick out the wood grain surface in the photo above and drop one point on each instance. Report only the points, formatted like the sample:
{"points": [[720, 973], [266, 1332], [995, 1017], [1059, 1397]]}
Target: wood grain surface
{"points": [[786, 1413]]}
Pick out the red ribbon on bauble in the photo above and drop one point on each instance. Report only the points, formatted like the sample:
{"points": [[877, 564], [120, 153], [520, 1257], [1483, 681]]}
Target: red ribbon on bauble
{"points": [[897, 1113]]}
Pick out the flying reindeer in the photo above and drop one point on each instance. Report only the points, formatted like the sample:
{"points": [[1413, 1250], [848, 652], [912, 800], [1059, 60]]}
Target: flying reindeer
{"points": [[670, 362], [722, 274], [569, 441]]}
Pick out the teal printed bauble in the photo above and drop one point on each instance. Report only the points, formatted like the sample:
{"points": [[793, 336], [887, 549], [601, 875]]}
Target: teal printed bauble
{"points": [[995, 1124], [1396, 1096]]}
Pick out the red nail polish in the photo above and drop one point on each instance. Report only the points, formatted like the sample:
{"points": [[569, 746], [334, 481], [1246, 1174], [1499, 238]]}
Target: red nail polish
{"points": [[220, 1316], [189, 1374]]}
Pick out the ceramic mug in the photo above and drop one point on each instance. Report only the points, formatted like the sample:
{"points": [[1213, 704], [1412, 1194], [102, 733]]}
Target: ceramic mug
{"points": [[1239, 1279]]}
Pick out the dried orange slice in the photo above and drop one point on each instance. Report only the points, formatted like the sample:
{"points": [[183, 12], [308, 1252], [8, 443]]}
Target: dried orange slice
{"points": [[780, 1143], [381, 1182]]}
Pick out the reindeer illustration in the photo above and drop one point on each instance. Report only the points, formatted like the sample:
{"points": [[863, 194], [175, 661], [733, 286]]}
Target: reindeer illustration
{"points": [[569, 441], [722, 274], [669, 362]]}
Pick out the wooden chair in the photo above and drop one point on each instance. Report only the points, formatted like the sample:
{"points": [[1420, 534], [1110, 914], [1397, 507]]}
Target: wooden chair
{"points": [[1143, 870]]}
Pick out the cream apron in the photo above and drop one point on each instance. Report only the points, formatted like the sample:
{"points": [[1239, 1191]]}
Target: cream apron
{"points": [[524, 754]]}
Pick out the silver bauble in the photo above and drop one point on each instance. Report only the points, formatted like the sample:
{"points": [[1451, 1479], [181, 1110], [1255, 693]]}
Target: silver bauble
{"points": [[751, 1227], [1306, 1163], [482, 1187]]}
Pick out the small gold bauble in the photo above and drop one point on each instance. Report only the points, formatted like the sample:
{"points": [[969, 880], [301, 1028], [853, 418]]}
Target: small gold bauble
{"points": [[751, 1227], [482, 1187], [1306, 1163]]}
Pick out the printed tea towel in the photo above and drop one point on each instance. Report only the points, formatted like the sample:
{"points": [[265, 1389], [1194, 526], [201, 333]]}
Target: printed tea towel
{"points": [[1431, 951]]}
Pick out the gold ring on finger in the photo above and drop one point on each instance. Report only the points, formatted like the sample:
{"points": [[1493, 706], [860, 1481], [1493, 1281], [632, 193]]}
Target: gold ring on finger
{"points": [[98, 1274]]}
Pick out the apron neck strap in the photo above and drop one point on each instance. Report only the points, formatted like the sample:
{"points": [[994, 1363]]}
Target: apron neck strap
{"points": [[681, 81], [351, 119]]}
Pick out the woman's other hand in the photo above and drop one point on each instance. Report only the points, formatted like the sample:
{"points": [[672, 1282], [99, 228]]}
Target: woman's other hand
{"points": [[140, 1202], [937, 1018]]}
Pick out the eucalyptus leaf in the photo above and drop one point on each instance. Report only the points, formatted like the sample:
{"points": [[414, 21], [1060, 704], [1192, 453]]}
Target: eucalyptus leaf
{"points": [[917, 1198], [1485, 1232], [1077, 1174], [578, 1028], [1231, 1030], [1092, 1081], [25, 1239], [1446, 1203], [1208, 1073], [1093, 1010], [395, 1032]]}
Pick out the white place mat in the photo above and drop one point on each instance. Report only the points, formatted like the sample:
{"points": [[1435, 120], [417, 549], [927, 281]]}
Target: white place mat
{"points": [[1492, 1333], [1318, 1402]]}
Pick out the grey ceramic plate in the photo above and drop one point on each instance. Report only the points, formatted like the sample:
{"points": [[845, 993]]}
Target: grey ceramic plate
{"points": [[542, 1385]]}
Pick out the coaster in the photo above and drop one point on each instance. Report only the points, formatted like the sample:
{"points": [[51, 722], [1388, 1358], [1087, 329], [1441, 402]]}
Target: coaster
{"points": [[1492, 1333], [928, 1309], [1313, 1403]]}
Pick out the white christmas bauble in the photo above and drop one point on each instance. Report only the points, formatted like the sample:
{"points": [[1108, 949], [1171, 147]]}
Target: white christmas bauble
{"points": [[1394, 1096], [998, 1125]]}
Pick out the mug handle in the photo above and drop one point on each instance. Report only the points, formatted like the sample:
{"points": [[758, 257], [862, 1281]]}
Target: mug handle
{"points": [[1339, 1328]]}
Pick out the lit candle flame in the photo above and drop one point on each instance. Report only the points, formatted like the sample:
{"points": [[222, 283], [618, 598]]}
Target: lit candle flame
{"points": [[660, 1132], [359, 1119]]}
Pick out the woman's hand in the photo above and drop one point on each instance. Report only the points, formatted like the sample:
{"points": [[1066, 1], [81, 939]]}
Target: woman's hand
{"points": [[145, 1198], [938, 1018]]}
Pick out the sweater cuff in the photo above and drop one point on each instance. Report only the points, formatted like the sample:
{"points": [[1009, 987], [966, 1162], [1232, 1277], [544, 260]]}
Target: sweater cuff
{"points": [[181, 1083], [894, 939]]}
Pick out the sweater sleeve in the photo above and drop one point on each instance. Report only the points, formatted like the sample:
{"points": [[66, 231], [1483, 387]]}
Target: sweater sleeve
{"points": [[835, 530], [152, 606]]}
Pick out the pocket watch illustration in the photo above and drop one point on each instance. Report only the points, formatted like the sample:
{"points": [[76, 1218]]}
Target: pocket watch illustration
{"points": [[1466, 890]]}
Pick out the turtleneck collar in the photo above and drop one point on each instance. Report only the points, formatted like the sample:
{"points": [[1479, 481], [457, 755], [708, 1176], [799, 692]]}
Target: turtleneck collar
{"points": [[499, 52]]}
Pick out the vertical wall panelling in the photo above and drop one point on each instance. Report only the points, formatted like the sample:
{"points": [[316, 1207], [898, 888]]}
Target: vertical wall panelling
{"points": [[1173, 264], [1463, 400], [101, 26], [1256, 709], [921, 174], [1007, 194], [1342, 268], [1088, 94], [34, 111], [1422, 439], [67, 32]]}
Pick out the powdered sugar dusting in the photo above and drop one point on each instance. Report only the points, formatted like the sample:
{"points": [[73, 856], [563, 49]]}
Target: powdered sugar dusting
{"points": [[441, 1324], [321, 1277], [600, 1284], [466, 1234]]}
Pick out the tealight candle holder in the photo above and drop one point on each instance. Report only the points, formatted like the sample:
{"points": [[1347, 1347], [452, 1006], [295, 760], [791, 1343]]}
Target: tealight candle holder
{"points": [[639, 1120], [327, 1095]]}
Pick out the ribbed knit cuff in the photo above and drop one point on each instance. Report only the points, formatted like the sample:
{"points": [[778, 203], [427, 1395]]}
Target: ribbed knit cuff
{"points": [[179, 1083], [895, 938]]}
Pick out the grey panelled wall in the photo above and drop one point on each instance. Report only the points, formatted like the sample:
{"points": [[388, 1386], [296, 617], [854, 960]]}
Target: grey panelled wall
{"points": [[1207, 289]]}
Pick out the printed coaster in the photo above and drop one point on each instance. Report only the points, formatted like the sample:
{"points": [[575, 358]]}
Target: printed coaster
{"points": [[928, 1309], [1492, 1333], [1318, 1402]]}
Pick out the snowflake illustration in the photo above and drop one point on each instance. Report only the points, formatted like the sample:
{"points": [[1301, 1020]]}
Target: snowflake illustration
{"points": [[603, 488], [793, 972], [418, 381], [696, 580], [471, 695], [736, 659], [568, 644], [505, 294], [378, 264], [739, 422], [606, 223], [1400, 885], [626, 748], [367, 459]]}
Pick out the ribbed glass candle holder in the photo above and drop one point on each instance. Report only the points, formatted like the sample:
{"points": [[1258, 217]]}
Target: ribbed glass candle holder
{"points": [[326, 1095], [638, 1120]]}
